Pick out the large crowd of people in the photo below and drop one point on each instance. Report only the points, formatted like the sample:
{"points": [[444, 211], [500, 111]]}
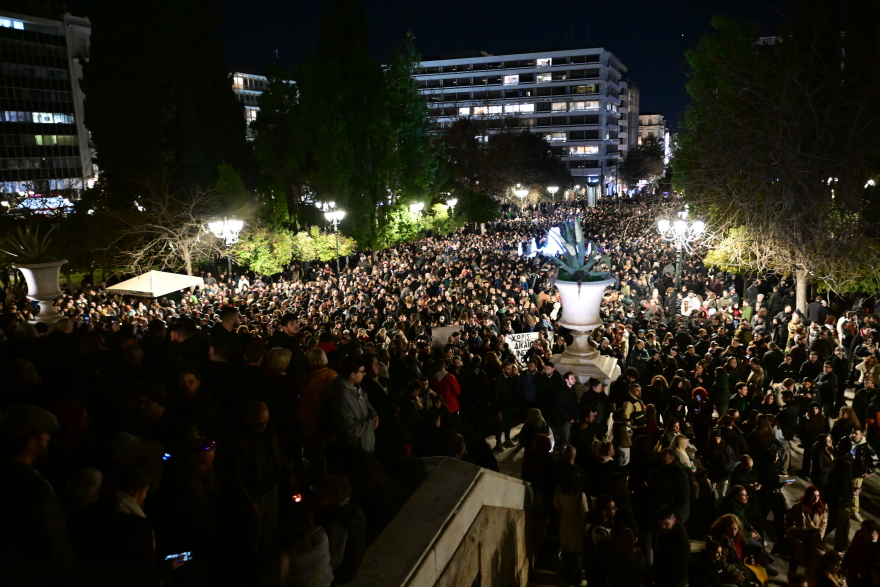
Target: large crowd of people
{"points": [[263, 430]]}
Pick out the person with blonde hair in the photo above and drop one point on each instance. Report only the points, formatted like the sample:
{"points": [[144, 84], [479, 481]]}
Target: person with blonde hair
{"points": [[680, 445], [278, 360]]}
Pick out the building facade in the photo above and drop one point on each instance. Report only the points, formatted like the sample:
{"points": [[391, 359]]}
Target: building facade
{"points": [[45, 150], [248, 87], [572, 98], [652, 124]]}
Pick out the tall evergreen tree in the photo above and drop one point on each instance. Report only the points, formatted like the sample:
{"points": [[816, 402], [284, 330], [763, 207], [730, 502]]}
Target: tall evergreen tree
{"points": [[158, 95], [350, 130]]}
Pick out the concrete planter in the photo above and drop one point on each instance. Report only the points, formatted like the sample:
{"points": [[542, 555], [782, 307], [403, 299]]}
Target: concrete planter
{"points": [[580, 314], [580, 304], [43, 288]]}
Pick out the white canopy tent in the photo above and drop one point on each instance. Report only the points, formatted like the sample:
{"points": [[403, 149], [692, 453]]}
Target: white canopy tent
{"points": [[154, 284]]}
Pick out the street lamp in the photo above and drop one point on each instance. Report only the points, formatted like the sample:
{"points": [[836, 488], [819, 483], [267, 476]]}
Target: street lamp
{"points": [[682, 232], [451, 202], [227, 230], [521, 193], [553, 189], [417, 208], [334, 217]]}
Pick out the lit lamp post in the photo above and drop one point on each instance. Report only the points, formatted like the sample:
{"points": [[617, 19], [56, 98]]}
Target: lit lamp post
{"points": [[334, 217], [417, 208], [451, 202], [227, 229], [553, 189], [682, 232], [521, 193]]}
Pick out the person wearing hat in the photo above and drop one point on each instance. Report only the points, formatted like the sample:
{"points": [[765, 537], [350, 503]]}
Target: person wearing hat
{"points": [[32, 525]]}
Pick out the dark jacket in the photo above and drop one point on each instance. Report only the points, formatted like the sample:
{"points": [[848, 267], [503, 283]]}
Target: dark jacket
{"points": [[680, 486], [826, 383], [703, 571], [861, 455], [671, 553], [565, 408], [32, 525]]}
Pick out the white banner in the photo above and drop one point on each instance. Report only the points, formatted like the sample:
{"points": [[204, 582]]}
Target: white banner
{"points": [[521, 343]]}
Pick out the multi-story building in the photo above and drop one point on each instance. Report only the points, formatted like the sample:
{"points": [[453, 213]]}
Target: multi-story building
{"points": [[572, 98], [247, 87], [630, 98], [45, 153], [653, 124]]}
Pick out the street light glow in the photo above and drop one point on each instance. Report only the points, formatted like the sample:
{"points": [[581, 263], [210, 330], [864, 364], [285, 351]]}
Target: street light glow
{"points": [[417, 207], [663, 225]]}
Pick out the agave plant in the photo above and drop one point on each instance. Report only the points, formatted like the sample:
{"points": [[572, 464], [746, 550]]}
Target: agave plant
{"points": [[578, 255], [27, 245]]}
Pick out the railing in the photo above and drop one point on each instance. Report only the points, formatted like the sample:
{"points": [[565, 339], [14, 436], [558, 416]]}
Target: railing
{"points": [[428, 541]]}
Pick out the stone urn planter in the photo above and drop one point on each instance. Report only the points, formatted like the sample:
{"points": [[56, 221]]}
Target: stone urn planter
{"points": [[43, 288], [580, 314]]}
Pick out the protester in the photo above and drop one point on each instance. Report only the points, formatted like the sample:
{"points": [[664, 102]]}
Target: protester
{"points": [[280, 423]]}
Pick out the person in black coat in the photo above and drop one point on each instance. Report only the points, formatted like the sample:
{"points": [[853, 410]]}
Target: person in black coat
{"points": [[820, 462], [705, 568], [565, 411], [826, 384], [596, 399], [671, 551], [679, 484], [547, 384]]}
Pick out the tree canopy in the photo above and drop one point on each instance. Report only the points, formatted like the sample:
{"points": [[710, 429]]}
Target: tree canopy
{"points": [[643, 162], [348, 130], [780, 141], [487, 163]]}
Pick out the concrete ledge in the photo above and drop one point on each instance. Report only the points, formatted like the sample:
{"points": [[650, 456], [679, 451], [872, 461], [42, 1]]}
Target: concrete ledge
{"points": [[423, 538]]}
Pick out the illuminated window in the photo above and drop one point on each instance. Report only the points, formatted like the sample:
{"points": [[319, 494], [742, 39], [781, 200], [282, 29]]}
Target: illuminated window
{"points": [[545, 62], [483, 139], [585, 105], [586, 89], [519, 108], [62, 118], [511, 80], [560, 105], [544, 78], [527, 122], [42, 116], [494, 109], [555, 137], [11, 24], [480, 110], [464, 111], [583, 150]]}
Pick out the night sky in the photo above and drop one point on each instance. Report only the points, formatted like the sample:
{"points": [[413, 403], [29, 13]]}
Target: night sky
{"points": [[649, 36]]}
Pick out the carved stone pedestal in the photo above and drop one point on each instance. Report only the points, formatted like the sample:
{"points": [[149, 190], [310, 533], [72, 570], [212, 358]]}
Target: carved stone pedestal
{"points": [[583, 359]]}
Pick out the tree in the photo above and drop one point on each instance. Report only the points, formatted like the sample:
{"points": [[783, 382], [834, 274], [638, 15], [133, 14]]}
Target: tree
{"points": [[350, 130], [159, 97], [779, 142], [643, 162], [490, 156], [264, 250], [167, 227], [314, 244]]}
